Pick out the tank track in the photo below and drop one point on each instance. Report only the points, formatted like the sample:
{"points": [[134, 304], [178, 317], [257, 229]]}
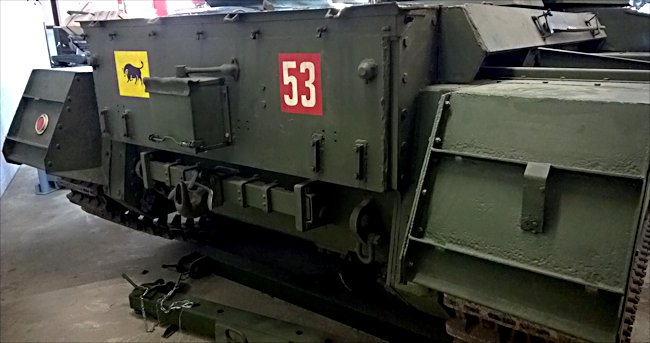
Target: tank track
{"points": [[475, 323], [91, 199], [635, 282]]}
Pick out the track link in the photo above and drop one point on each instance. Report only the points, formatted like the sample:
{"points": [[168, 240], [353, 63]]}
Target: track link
{"points": [[635, 282], [175, 227]]}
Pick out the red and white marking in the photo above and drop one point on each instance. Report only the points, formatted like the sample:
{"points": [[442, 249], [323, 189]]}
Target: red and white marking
{"points": [[300, 83], [41, 124]]}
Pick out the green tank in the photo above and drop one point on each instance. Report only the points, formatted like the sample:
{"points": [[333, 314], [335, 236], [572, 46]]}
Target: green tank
{"points": [[481, 169]]}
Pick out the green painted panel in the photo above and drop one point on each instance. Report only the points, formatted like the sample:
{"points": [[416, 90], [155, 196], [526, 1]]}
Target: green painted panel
{"points": [[264, 136], [466, 235], [570, 124], [562, 305], [589, 224]]}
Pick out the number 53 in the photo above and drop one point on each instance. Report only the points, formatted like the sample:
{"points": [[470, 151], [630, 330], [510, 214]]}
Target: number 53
{"points": [[300, 83]]}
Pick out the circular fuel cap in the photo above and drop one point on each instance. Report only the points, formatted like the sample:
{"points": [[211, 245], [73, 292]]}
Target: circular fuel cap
{"points": [[41, 124]]}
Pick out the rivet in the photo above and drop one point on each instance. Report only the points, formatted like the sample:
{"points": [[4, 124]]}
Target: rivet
{"points": [[404, 76], [403, 114], [437, 140], [424, 192], [386, 28]]}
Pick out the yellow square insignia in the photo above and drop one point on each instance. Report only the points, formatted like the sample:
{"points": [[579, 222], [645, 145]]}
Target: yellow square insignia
{"points": [[132, 67]]}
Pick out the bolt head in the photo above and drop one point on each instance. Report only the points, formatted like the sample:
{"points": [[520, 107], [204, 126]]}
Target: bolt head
{"points": [[367, 69]]}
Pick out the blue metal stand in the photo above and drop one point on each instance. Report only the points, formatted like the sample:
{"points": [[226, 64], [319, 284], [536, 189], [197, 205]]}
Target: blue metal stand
{"points": [[46, 183]]}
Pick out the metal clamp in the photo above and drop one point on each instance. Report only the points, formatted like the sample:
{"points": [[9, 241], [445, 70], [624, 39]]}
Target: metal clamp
{"points": [[266, 196], [544, 27], [596, 31], [308, 210], [534, 196], [241, 192], [320, 30]]}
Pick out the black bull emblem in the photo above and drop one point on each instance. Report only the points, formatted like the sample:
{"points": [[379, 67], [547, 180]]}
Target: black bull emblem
{"points": [[133, 73]]}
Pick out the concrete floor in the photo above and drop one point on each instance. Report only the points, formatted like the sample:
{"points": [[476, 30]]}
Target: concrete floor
{"points": [[60, 276]]}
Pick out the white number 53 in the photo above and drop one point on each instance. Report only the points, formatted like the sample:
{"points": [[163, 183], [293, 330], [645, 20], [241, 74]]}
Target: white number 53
{"points": [[306, 100]]}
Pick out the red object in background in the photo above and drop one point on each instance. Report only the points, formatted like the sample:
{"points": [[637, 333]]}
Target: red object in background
{"points": [[161, 7], [198, 3]]}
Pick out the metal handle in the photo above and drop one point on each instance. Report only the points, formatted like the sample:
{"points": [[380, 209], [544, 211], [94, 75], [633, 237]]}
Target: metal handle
{"points": [[227, 69], [316, 143], [103, 120], [334, 13], [80, 12], [125, 119], [547, 30], [360, 149], [182, 143], [231, 17]]}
